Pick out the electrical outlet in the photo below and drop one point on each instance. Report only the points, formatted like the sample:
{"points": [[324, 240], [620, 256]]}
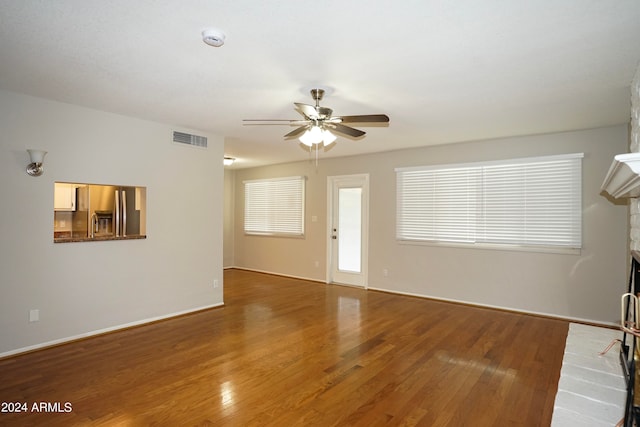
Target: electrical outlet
{"points": [[34, 315], [216, 283], [385, 272], [317, 264]]}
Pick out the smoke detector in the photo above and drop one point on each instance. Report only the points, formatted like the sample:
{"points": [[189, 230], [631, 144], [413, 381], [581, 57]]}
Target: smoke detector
{"points": [[213, 37]]}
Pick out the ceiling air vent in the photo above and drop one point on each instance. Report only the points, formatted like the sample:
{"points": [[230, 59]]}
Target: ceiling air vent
{"points": [[187, 138]]}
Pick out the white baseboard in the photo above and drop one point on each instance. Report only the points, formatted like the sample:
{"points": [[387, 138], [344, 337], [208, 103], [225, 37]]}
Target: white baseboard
{"points": [[104, 331], [273, 273], [497, 307], [455, 301]]}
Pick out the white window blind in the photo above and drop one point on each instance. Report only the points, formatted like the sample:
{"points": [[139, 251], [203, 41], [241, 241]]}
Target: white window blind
{"points": [[523, 202], [274, 206]]}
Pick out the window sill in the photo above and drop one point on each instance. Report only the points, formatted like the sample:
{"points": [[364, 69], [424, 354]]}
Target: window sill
{"points": [[496, 247], [289, 236]]}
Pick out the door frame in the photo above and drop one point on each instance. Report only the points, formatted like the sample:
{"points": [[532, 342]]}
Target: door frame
{"points": [[332, 181]]}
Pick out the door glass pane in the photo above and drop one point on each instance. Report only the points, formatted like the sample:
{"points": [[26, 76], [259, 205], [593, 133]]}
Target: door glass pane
{"points": [[349, 229]]}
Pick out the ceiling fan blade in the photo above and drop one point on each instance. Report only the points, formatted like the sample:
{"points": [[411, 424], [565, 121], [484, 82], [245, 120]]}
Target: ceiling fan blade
{"points": [[346, 130], [258, 122], [264, 124], [296, 132], [309, 111], [366, 118], [300, 122]]}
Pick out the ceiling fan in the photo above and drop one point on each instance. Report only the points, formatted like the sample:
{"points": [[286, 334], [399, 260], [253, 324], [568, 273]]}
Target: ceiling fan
{"points": [[318, 124]]}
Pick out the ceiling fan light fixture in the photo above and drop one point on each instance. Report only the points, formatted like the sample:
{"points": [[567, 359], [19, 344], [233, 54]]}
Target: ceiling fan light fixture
{"points": [[312, 136], [328, 138], [317, 135], [305, 138]]}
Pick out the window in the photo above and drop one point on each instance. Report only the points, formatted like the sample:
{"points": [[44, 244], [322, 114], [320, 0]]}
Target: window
{"points": [[274, 206], [534, 202]]}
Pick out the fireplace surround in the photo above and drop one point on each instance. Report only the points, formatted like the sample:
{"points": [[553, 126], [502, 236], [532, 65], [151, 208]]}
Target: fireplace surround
{"points": [[623, 181], [629, 349]]}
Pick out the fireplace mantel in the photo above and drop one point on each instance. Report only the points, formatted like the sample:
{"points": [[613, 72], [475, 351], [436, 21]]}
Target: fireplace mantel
{"points": [[623, 178]]}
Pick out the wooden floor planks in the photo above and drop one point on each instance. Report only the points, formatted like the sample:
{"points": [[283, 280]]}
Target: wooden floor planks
{"points": [[287, 352]]}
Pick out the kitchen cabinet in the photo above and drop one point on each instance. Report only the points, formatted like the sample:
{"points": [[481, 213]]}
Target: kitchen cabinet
{"points": [[64, 197]]}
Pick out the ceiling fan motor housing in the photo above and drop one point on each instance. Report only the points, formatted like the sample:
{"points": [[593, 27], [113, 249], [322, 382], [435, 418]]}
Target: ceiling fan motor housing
{"points": [[317, 95]]}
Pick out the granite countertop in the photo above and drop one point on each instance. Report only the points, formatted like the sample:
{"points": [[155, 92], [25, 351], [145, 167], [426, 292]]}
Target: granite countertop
{"points": [[69, 238]]}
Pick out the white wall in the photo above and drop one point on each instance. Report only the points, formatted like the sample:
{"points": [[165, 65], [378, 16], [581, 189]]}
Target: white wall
{"points": [[585, 286], [81, 288]]}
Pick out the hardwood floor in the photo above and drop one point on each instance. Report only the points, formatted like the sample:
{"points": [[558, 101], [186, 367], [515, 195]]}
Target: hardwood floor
{"points": [[286, 352]]}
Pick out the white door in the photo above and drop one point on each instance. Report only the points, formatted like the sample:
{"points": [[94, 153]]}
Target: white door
{"points": [[348, 229]]}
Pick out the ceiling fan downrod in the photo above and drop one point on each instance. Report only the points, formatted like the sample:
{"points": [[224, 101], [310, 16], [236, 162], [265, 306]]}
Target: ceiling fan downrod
{"points": [[317, 95]]}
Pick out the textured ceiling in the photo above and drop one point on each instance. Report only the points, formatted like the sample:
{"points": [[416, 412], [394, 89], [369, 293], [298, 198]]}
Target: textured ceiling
{"points": [[444, 71]]}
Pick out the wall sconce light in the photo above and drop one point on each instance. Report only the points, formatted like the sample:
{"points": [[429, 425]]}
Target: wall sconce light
{"points": [[228, 161], [35, 167]]}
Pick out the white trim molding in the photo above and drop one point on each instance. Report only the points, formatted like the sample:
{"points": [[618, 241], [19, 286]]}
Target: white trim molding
{"points": [[623, 178]]}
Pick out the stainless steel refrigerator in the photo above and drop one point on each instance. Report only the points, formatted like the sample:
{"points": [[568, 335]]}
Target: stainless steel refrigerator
{"points": [[113, 211]]}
